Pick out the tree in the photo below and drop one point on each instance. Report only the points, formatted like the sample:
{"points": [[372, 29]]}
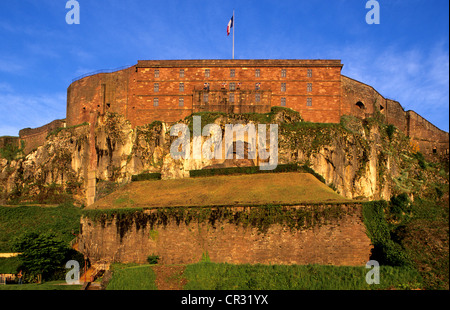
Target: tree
{"points": [[41, 254]]}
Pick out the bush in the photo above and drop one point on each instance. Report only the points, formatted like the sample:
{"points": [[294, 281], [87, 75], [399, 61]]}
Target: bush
{"points": [[153, 259], [241, 170], [146, 176], [390, 129], [385, 251]]}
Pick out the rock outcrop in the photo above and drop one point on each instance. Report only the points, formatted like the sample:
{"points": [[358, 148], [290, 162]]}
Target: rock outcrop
{"points": [[357, 158]]}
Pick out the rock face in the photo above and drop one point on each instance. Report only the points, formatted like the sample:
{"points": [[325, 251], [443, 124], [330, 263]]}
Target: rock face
{"points": [[356, 157]]}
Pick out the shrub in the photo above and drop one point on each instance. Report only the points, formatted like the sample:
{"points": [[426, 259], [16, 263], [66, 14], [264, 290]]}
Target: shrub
{"points": [[390, 129], [241, 170], [153, 259], [146, 176], [385, 251]]}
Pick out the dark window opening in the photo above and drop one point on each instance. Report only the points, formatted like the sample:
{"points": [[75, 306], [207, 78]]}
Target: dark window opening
{"points": [[434, 150], [360, 105]]}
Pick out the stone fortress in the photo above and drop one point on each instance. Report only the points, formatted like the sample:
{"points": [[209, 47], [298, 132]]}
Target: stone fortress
{"points": [[170, 90]]}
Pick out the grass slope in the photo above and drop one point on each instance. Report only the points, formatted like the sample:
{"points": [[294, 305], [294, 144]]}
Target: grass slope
{"points": [[254, 189], [15, 221]]}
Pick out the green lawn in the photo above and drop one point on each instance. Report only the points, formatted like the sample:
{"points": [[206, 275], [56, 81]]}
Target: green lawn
{"points": [[211, 276], [46, 286], [222, 276], [132, 277]]}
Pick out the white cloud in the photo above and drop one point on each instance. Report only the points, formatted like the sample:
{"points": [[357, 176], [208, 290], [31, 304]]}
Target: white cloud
{"points": [[22, 111]]}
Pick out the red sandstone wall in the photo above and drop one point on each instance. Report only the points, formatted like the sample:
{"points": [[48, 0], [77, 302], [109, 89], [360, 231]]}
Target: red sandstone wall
{"points": [[427, 136], [35, 137], [131, 91], [340, 242], [7, 140], [354, 92], [100, 92], [396, 115]]}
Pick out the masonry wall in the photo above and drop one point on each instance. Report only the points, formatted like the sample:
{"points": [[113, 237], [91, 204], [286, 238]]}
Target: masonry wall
{"points": [[7, 140], [431, 140], [339, 242], [35, 137], [171, 90], [103, 92]]}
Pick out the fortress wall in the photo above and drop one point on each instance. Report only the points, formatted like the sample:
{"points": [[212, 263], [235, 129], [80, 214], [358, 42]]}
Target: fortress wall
{"points": [[7, 140], [35, 137], [100, 92], [396, 115], [339, 242], [170, 90], [430, 139], [161, 80], [353, 92]]}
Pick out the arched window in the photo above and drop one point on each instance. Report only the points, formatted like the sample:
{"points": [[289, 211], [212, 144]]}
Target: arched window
{"points": [[360, 105]]}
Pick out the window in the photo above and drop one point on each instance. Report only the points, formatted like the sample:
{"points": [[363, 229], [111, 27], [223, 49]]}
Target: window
{"points": [[283, 73], [181, 73], [309, 87], [155, 102], [207, 73], [309, 73], [258, 97], [156, 87], [205, 97], [232, 86], [232, 72], [308, 102], [156, 73], [231, 98], [181, 102], [181, 87], [257, 73], [283, 87], [283, 102], [257, 86]]}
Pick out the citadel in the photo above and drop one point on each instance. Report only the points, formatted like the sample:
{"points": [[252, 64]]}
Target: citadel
{"points": [[170, 90], [117, 125]]}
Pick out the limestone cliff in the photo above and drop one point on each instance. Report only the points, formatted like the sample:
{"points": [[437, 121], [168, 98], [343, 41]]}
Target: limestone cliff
{"points": [[357, 158]]}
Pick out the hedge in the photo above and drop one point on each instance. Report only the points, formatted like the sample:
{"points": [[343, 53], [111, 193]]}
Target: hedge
{"points": [[146, 176]]}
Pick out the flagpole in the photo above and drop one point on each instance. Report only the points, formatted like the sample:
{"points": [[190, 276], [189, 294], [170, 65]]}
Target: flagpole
{"points": [[233, 32]]}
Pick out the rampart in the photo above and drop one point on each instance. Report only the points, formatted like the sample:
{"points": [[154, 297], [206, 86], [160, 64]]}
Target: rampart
{"points": [[36, 137], [8, 140], [334, 235], [170, 90], [362, 100]]}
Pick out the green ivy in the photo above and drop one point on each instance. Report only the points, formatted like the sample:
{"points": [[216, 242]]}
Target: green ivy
{"points": [[385, 251], [260, 217]]}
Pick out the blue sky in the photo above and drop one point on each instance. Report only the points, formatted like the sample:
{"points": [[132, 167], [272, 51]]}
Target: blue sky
{"points": [[405, 57]]}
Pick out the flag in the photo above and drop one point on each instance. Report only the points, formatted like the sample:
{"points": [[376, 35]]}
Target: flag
{"points": [[230, 24]]}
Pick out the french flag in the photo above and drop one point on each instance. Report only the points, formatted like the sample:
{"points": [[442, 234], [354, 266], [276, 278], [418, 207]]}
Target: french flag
{"points": [[230, 24]]}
